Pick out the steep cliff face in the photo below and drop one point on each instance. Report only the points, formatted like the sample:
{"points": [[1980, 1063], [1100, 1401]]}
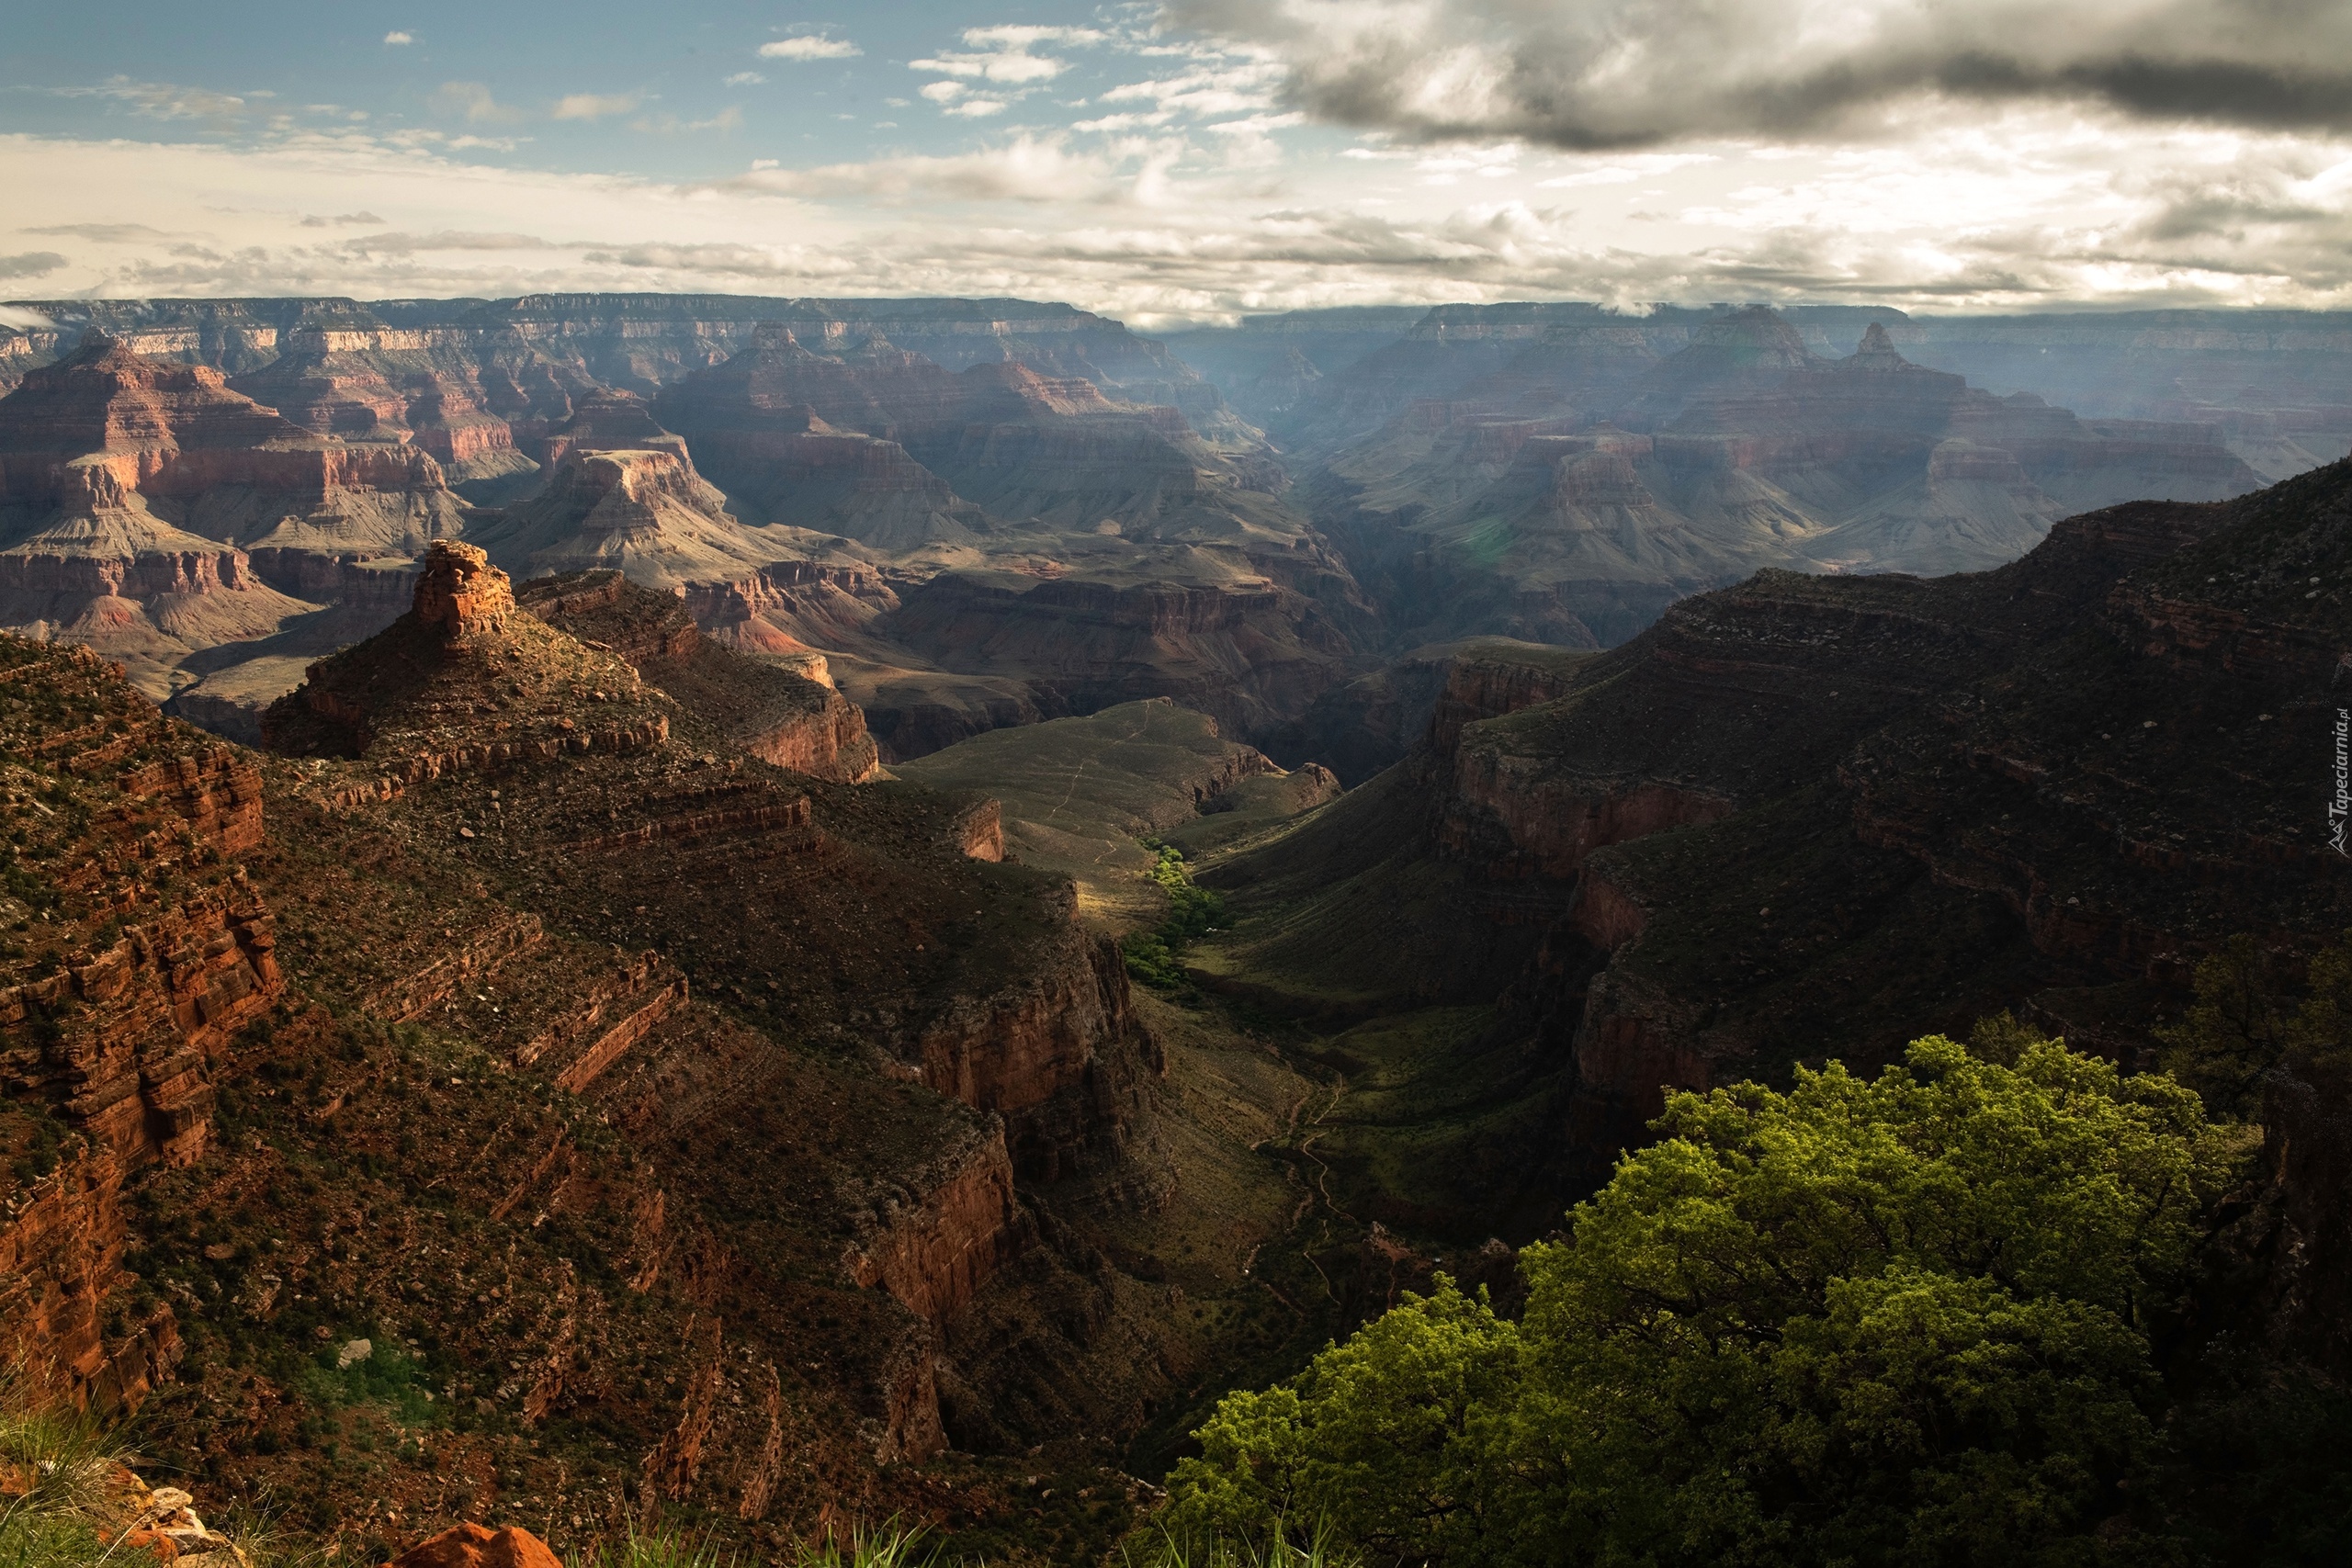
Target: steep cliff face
{"points": [[423, 386], [1060, 1056], [62, 1245], [936, 1241], [139, 948], [2030, 789], [142, 945]]}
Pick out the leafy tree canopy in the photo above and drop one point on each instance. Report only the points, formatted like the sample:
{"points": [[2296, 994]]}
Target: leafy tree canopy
{"points": [[1902, 1319]]}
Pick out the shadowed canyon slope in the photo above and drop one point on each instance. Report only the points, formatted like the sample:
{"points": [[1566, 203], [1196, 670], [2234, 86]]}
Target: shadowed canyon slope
{"points": [[1817, 817]]}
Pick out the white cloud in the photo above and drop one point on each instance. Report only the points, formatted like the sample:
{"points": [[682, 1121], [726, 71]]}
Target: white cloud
{"points": [[1626, 170], [744, 79], [1022, 36], [1003, 53], [397, 36], [811, 47], [1025, 169], [475, 102], [596, 106], [164, 100], [1163, 209], [729, 119]]}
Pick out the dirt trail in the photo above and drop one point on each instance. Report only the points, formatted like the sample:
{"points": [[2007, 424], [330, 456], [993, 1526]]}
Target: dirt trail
{"points": [[1310, 1193]]}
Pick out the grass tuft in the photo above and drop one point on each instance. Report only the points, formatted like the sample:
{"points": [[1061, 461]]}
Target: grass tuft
{"points": [[1281, 1548]]}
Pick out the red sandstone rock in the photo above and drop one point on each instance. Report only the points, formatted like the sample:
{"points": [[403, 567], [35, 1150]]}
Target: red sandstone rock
{"points": [[477, 1546], [460, 589]]}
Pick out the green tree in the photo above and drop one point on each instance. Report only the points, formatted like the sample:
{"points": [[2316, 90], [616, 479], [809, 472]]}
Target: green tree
{"points": [[1383, 1440], [2246, 1018], [1902, 1319]]}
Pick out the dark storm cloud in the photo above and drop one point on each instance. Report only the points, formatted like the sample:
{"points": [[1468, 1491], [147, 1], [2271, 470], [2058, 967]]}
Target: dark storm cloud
{"points": [[1591, 74]]}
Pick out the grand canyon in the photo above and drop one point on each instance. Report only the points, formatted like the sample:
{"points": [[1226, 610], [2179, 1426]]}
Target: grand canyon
{"points": [[593, 849], [1176, 785]]}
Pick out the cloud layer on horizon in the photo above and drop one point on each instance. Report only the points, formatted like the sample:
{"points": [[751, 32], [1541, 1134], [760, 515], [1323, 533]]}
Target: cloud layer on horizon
{"points": [[1199, 172]]}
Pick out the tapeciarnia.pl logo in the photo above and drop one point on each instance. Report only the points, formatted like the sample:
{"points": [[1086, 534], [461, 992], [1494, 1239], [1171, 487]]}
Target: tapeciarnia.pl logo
{"points": [[2339, 810]]}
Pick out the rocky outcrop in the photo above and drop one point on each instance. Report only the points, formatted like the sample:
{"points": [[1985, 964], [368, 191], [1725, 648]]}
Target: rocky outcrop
{"points": [[1061, 1057], [470, 1545], [934, 1240], [459, 591], [772, 712], [433, 710], [978, 831]]}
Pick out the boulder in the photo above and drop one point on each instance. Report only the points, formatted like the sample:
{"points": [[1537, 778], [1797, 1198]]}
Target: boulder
{"points": [[471, 1545]]}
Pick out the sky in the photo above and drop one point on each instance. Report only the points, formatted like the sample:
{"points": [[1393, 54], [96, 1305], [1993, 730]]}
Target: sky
{"points": [[1192, 161]]}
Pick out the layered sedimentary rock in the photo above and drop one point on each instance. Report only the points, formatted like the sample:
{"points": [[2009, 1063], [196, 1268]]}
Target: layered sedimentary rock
{"points": [[138, 949], [131, 980], [895, 438], [1061, 1059], [644, 513], [1884, 760], [814, 442], [771, 712], [1249, 654], [390, 385], [1095, 551], [153, 512], [61, 1246]]}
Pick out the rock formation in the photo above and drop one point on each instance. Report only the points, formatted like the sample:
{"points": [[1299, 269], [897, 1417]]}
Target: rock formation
{"points": [[912, 438], [643, 512], [153, 513], [771, 712]]}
